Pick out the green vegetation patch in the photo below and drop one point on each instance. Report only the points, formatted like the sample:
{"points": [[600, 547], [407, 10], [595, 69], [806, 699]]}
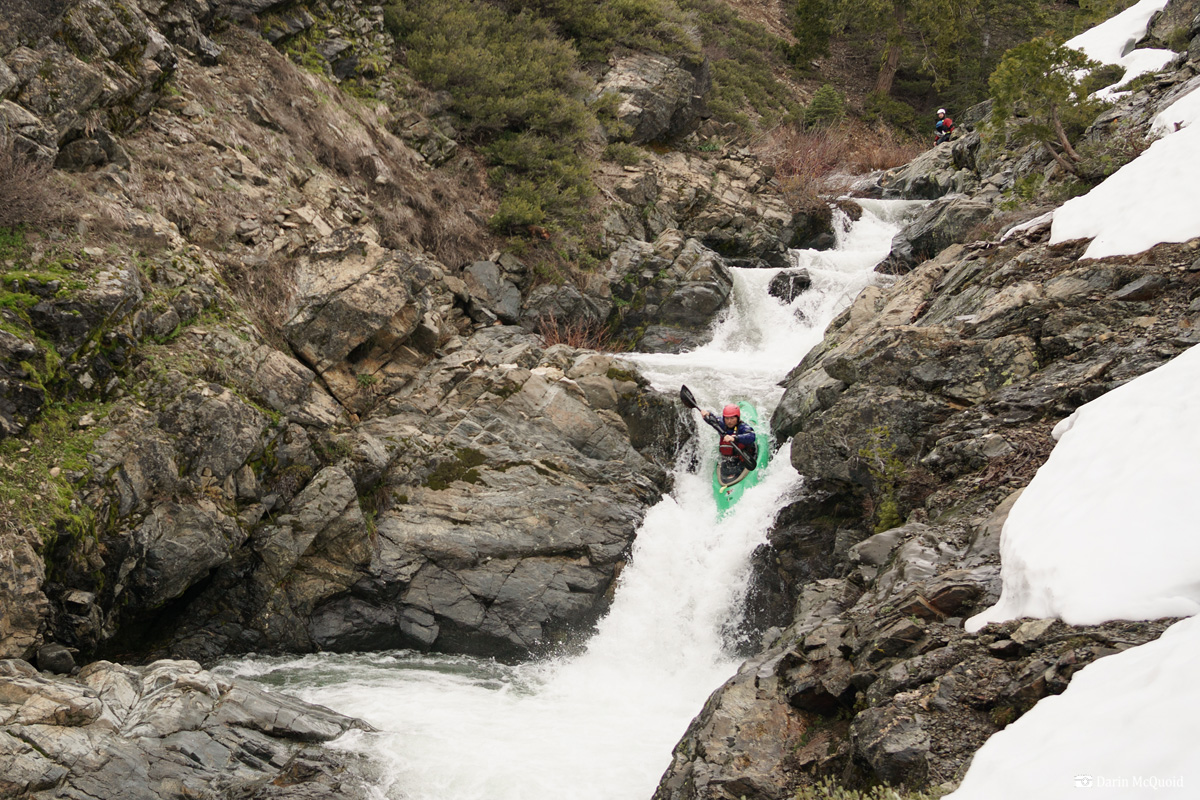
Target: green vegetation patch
{"points": [[40, 471], [745, 57], [828, 790], [12, 243], [515, 75], [887, 472], [627, 155], [516, 87], [598, 28], [461, 468]]}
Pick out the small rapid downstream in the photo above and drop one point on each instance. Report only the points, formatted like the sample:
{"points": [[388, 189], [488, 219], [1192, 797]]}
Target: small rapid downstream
{"points": [[600, 724]]}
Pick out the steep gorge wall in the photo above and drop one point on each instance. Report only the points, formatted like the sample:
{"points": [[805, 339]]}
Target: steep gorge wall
{"points": [[274, 388], [922, 414]]}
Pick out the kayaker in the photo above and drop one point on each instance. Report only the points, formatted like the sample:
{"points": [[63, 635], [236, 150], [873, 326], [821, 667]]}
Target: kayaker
{"points": [[734, 433]]}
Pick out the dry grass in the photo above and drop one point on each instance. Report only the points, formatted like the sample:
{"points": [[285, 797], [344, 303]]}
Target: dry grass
{"points": [[815, 162], [1030, 448], [266, 289], [580, 334], [29, 195]]}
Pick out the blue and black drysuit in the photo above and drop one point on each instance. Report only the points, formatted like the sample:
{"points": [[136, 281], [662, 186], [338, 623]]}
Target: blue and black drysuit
{"points": [[743, 435]]}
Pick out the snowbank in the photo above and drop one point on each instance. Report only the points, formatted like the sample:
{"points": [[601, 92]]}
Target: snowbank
{"points": [[1102, 531], [1113, 39], [1125, 727], [1180, 114], [1152, 199]]}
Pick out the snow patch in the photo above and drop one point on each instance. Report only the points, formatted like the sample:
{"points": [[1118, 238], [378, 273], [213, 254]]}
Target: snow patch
{"points": [[1123, 728], [1101, 533]]}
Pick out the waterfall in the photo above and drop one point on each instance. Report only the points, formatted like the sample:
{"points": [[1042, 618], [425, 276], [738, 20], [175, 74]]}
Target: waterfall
{"points": [[600, 725]]}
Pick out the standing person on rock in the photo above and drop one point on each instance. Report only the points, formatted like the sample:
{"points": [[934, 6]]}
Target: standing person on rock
{"points": [[943, 127]]}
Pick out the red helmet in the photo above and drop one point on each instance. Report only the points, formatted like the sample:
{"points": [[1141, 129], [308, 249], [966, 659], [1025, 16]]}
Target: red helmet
{"points": [[732, 411]]}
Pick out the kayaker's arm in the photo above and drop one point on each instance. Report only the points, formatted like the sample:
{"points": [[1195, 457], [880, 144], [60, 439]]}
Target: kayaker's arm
{"points": [[722, 431], [745, 435]]}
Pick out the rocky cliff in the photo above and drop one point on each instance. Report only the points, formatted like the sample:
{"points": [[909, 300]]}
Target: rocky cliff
{"points": [[917, 421], [268, 383]]}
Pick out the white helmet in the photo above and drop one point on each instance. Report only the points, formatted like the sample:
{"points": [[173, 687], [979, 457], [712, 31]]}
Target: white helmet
{"points": [[941, 111]]}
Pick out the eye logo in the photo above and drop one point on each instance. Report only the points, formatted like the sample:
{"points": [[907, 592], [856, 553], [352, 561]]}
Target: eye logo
{"points": [[1083, 781]]}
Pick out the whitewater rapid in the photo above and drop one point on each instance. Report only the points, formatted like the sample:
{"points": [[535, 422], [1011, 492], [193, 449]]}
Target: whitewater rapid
{"points": [[600, 724]]}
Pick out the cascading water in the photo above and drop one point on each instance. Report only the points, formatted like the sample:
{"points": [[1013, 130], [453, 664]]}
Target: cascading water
{"points": [[601, 725]]}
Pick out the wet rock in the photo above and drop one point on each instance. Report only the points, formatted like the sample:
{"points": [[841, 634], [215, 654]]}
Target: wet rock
{"points": [[895, 745], [1146, 287], [674, 283], [806, 395], [669, 339], [937, 172], [787, 286], [737, 727], [450, 563], [495, 296], [730, 204], [567, 308], [110, 296], [876, 550], [371, 313], [55, 658], [944, 222], [22, 596]]}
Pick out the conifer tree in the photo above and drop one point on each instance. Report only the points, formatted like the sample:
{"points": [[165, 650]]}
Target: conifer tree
{"points": [[811, 29], [1038, 87], [947, 38]]}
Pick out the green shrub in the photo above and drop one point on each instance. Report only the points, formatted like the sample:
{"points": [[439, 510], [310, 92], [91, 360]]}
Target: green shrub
{"points": [[597, 28], [1101, 158], [893, 112], [1039, 98], [1140, 82], [1101, 77], [518, 209], [744, 58], [826, 107], [605, 107], [812, 29], [539, 178], [1179, 39], [515, 87], [625, 154]]}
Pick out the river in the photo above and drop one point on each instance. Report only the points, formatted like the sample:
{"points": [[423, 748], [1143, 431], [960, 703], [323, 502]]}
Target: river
{"points": [[600, 724]]}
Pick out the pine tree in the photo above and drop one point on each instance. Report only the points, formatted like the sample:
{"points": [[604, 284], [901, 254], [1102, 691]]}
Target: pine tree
{"points": [[949, 39], [825, 107], [1038, 86], [811, 29]]}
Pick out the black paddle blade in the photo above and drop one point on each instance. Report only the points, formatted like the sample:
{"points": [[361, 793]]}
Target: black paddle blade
{"points": [[689, 400]]}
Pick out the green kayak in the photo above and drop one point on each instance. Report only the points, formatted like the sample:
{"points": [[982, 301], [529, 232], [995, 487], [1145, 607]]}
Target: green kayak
{"points": [[730, 476]]}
